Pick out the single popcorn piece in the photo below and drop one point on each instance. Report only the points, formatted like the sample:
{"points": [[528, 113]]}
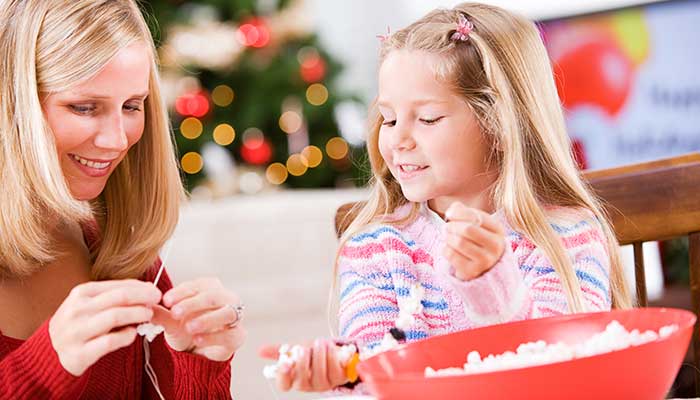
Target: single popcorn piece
{"points": [[388, 343], [346, 352], [404, 321], [667, 330], [149, 330], [614, 337], [410, 306]]}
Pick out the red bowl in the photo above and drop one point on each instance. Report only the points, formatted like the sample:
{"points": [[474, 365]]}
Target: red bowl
{"points": [[639, 372]]}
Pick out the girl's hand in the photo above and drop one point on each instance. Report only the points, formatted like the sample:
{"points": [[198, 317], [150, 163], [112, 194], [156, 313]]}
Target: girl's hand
{"points": [[318, 369], [474, 241], [98, 318], [202, 317]]}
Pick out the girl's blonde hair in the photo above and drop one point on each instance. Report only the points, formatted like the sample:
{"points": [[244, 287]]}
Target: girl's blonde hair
{"points": [[49, 46], [503, 73]]}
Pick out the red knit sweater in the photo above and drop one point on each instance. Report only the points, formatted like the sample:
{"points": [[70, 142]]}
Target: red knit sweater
{"points": [[31, 370]]}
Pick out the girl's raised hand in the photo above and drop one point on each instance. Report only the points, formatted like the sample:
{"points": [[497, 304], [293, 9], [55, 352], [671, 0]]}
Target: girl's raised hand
{"points": [[98, 318], [474, 241]]}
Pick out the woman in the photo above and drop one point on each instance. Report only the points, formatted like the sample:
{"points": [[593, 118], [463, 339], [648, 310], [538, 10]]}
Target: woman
{"points": [[91, 192]]}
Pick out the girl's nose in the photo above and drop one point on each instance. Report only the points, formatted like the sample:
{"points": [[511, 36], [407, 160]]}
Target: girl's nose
{"points": [[403, 137]]}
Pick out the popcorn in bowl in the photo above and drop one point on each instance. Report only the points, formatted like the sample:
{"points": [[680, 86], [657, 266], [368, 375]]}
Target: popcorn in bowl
{"points": [[614, 337]]}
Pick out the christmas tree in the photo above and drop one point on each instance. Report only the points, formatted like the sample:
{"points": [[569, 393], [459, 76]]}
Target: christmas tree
{"points": [[251, 95]]}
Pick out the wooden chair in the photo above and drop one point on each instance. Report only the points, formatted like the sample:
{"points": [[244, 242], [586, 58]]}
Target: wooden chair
{"points": [[650, 201]]}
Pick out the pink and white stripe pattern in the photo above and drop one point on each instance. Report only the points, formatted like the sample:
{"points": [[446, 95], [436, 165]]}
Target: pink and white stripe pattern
{"points": [[380, 265]]}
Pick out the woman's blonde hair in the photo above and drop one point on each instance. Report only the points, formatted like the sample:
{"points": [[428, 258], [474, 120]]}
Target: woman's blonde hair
{"points": [[503, 73], [49, 46]]}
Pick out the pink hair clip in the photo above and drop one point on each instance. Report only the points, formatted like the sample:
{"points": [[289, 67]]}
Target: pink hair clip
{"points": [[383, 38], [464, 28]]}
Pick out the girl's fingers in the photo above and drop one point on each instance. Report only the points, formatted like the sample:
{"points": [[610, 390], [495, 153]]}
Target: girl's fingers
{"points": [[489, 244], [459, 212], [211, 321], [269, 351], [465, 268], [302, 371], [285, 377], [465, 247], [336, 372], [319, 370], [107, 320]]}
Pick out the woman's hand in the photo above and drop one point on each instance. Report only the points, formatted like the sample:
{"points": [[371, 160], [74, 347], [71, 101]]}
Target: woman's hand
{"points": [[202, 317], [474, 241], [97, 318], [317, 370]]}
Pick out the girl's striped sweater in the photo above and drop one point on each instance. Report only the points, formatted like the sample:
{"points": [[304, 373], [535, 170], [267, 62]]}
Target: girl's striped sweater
{"points": [[379, 266]]}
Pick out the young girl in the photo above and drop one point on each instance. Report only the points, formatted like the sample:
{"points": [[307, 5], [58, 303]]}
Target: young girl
{"points": [[90, 192], [477, 208]]}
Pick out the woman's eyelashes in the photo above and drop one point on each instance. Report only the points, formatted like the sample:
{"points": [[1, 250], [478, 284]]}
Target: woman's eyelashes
{"points": [[82, 109]]}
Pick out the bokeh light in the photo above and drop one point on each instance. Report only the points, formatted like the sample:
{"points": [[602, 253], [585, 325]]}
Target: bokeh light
{"points": [[337, 148], [296, 165], [191, 128], [276, 173], [312, 155], [290, 121], [253, 33], [224, 134], [256, 149], [312, 66], [316, 94], [222, 95], [192, 162], [192, 104]]}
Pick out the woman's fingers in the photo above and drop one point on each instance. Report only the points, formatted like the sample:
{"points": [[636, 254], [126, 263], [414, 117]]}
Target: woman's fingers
{"points": [[163, 317], [213, 320], [107, 320], [125, 296], [95, 288], [188, 289], [109, 342], [228, 341]]}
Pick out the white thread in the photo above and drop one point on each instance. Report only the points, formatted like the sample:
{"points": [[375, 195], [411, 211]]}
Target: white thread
{"points": [[162, 263], [146, 349], [149, 369]]}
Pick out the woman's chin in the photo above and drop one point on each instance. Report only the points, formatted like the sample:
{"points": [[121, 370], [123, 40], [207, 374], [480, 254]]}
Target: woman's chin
{"points": [[86, 193]]}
